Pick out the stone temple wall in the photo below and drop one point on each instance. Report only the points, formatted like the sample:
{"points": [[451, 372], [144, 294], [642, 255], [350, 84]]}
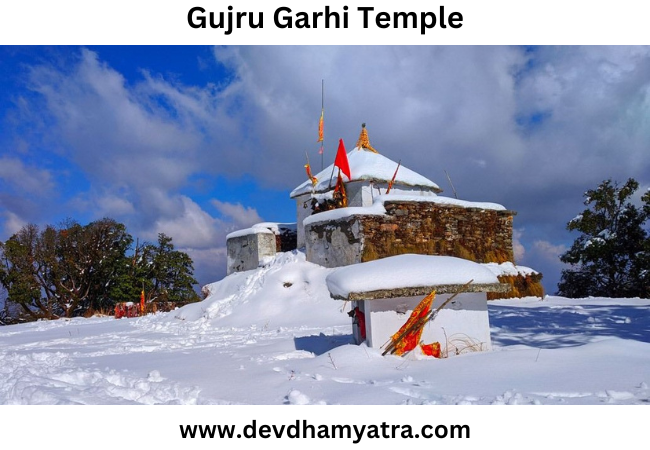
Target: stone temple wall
{"points": [[480, 235], [476, 234]]}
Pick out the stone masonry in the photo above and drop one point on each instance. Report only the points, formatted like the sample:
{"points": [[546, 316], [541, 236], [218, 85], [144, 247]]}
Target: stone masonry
{"points": [[476, 234]]}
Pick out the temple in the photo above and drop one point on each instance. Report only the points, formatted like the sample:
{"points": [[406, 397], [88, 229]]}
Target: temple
{"points": [[384, 209]]}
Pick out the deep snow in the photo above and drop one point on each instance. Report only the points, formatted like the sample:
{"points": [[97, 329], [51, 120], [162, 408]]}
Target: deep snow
{"points": [[274, 336]]}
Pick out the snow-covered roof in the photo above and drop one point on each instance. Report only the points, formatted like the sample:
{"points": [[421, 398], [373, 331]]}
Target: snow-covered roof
{"points": [[255, 229], [368, 166], [410, 274], [262, 228]]}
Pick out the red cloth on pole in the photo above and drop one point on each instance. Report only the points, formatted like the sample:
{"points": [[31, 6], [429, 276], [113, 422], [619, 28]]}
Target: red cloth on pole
{"points": [[341, 160]]}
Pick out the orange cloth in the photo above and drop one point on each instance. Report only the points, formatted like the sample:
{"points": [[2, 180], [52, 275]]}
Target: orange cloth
{"points": [[432, 349], [412, 338], [313, 179]]}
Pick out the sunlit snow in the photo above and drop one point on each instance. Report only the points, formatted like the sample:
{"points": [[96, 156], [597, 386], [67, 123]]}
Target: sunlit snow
{"points": [[274, 336]]}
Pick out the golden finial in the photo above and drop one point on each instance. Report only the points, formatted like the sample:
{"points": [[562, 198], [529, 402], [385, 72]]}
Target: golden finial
{"points": [[363, 141]]}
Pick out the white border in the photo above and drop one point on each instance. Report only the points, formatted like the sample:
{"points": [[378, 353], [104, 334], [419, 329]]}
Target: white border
{"points": [[65, 22], [503, 427], [562, 22]]}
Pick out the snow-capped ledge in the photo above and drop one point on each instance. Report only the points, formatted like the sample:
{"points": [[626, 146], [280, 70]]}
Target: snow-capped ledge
{"points": [[377, 208], [255, 229], [410, 275], [440, 201], [509, 269]]}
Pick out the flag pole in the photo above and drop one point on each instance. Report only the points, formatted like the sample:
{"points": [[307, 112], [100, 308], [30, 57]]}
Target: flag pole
{"points": [[452, 184], [329, 186], [322, 106], [390, 184]]}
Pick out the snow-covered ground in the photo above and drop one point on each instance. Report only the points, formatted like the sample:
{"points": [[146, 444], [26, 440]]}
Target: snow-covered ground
{"points": [[274, 336]]}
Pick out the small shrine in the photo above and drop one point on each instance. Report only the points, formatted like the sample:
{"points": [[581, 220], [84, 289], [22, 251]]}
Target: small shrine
{"points": [[433, 304]]}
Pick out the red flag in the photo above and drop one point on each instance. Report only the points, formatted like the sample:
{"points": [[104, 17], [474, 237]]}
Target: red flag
{"points": [[341, 160]]}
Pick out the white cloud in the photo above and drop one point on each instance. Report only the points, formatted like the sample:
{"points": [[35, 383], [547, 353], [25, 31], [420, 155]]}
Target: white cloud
{"points": [[595, 103], [548, 123], [240, 215], [114, 206], [549, 251], [30, 180], [116, 134], [517, 247], [427, 105], [189, 227]]}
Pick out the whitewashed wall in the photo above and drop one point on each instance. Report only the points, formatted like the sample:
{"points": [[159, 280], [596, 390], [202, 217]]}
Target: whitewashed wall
{"points": [[462, 326]]}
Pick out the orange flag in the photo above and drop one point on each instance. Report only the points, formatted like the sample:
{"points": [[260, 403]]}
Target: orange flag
{"points": [[313, 179], [320, 126], [409, 341]]}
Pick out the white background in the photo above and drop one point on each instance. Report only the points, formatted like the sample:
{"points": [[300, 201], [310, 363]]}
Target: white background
{"points": [[165, 22], [149, 427]]}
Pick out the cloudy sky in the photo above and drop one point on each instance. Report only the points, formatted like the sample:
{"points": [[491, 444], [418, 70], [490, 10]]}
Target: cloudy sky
{"points": [[196, 142]]}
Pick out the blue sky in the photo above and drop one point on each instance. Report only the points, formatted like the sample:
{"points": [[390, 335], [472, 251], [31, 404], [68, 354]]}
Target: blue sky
{"points": [[199, 141]]}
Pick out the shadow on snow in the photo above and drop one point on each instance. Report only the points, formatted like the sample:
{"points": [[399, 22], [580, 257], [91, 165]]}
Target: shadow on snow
{"points": [[321, 344], [560, 326]]}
